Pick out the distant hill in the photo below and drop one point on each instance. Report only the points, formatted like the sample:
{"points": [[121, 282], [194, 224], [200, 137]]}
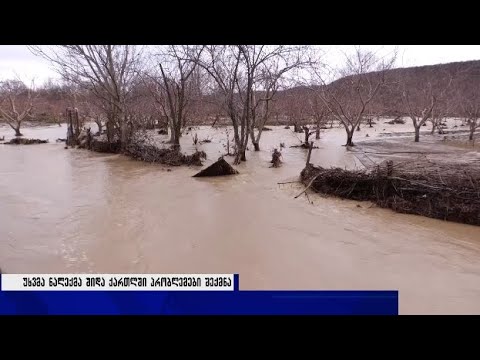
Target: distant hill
{"points": [[452, 82]]}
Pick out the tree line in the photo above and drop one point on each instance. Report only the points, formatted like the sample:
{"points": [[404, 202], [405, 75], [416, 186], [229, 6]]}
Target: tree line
{"points": [[128, 88]]}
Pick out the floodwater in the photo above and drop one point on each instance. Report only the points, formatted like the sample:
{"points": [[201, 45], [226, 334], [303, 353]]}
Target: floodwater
{"points": [[83, 212]]}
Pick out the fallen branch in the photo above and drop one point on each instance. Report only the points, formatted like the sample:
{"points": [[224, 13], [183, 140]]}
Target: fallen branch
{"points": [[308, 186]]}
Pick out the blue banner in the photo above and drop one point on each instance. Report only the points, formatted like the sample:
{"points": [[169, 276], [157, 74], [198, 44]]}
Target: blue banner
{"points": [[238, 302]]}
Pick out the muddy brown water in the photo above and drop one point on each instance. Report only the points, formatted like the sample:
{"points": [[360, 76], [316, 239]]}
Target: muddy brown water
{"points": [[83, 212]]}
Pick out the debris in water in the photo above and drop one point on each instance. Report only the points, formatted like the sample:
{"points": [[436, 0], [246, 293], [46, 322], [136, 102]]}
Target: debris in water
{"points": [[218, 168], [205, 141], [23, 141], [397, 120], [304, 146], [441, 191], [169, 156], [276, 158]]}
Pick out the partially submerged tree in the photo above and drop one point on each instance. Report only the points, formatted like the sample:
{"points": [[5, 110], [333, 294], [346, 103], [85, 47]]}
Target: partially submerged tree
{"points": [[271, 75], [16, 103], [467, 95], [294, 106], [173, 84], [439, 115], [108, 71], [420, 101], [419, 107], [50, 103], [237, 71], [319, 113], [348, 99]]}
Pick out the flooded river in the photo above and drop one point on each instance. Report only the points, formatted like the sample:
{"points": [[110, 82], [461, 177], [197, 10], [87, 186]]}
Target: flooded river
{"points": [[78, 211]]}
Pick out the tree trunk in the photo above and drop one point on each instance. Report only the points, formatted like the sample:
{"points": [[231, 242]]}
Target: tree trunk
{"points": [[433, 128], [350, 133], [243, 158], [349, 139], [317, 132], [472, 131], [240, 156], [307, 134], [252, 137], [100, 127], [310, 148], [17, 131], [176, 135], [217, 117], [172, 135], [417, 133], [109, 131], [256, 141], [123, 134]]}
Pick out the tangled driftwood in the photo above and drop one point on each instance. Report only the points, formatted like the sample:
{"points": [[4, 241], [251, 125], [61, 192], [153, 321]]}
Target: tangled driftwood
{"points": [[104, 146], [23, 141], [169, 156], [443, 191]]}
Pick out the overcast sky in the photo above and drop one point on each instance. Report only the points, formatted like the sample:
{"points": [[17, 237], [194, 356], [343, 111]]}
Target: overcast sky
{"points": [[16, 60]]}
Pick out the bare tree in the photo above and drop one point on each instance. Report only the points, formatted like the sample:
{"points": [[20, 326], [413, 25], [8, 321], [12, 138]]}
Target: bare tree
{"points": [[174, 84], [439, 115], [93, 110], [142, 112], [348, 99], [467, 96], [271, 73], [16, 103], [109, 72], [319, 113], [293, 105], [236, 70], [474, 124], [50, 104], [427, 101], [419, 111]]}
